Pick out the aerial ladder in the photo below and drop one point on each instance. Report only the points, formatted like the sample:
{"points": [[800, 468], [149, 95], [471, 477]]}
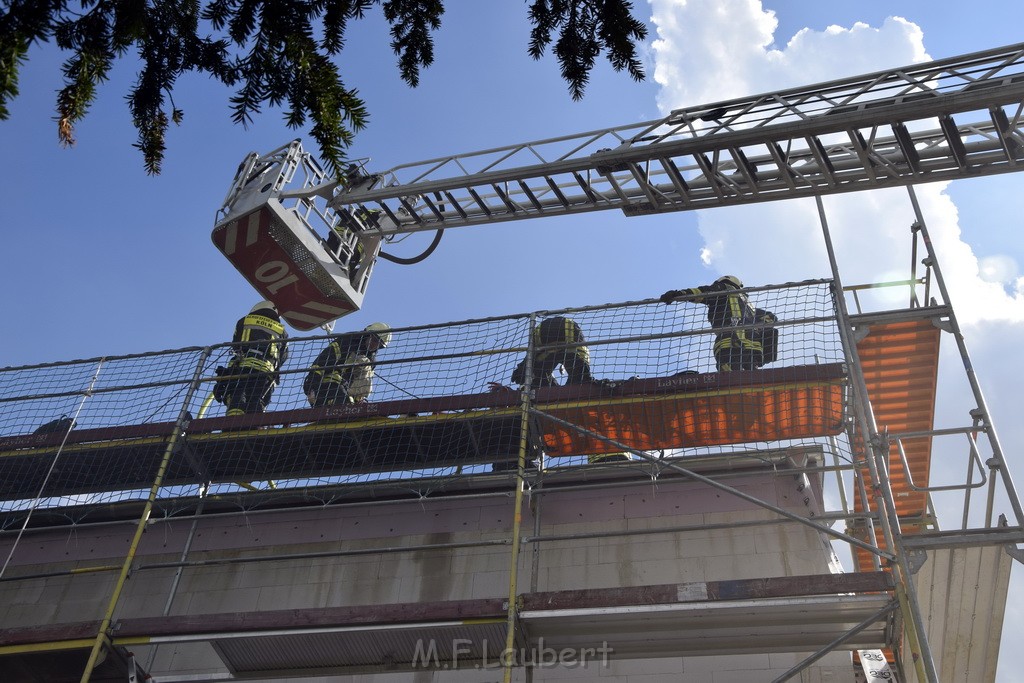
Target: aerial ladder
{"points": [[308, 241]]}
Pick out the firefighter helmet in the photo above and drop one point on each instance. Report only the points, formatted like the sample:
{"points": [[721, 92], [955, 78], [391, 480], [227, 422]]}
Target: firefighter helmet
{"points": [[264, 304], [730, 280], [382, 330]]}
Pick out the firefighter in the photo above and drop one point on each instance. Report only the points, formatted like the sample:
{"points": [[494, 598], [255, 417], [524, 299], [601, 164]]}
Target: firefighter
{"points": [[352, 223], [574, 359], [727, 307], [260, 350], [343, 372]]}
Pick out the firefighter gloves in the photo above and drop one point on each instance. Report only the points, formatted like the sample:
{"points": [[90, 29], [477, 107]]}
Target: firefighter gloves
{"points": [[671, 295]]}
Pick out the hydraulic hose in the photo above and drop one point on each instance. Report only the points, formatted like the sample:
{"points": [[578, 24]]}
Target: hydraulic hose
{"points": [[415, 259]]}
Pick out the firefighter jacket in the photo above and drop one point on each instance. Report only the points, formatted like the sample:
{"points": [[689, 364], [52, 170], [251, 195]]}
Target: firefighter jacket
{"points": [[575, 359], [345, 363], [261, 342], [727, 307]]}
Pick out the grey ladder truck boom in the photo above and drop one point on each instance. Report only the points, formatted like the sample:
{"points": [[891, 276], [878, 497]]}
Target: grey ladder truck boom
{"points": [[308, 242]]}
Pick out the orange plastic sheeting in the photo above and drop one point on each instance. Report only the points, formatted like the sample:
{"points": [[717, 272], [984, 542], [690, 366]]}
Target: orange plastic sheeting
{"points": [[714, 417], [865, 560], [900, 361]]}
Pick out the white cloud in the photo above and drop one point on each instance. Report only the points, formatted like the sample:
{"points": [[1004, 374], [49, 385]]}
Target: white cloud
{"points": [[694, 65], [712, 50], [998, 269]]}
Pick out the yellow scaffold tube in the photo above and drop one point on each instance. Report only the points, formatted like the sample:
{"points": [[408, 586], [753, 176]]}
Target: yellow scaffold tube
{"points": [[140, 528]]}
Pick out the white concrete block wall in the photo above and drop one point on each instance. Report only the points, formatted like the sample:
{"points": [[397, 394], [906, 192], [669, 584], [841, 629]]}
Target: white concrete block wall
{"points": [[49, 600], [439, 574], [682, 556]]}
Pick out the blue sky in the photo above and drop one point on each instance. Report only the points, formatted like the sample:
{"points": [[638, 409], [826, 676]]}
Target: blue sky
{"points": [[102, 259], [96, 245]]}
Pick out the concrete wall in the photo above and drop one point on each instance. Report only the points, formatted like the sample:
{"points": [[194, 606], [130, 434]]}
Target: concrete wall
{"points": [[434, 575]]}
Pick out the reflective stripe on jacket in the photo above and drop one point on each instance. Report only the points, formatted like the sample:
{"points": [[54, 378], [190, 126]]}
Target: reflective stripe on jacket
{"points": [[261, 343], [727, 307], [345, 361]]}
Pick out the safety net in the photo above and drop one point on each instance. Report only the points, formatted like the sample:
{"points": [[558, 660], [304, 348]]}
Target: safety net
{"points": [[444, 402]]}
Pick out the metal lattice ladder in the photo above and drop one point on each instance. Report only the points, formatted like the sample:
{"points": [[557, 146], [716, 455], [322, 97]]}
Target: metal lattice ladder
{"points": [[942, 120]]}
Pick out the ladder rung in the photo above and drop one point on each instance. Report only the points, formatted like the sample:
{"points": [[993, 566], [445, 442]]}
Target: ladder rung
{"points": [[714, 182], [558, 193], [433, 208], [530, 195], [828, 171], [504, 198], [682, 187], [786, 172], [455, 205], [643, 183], [952, 135], [746, 168], [860, 145], [412, 211], [907, 146], [585, 186], [479, 202], [1011, 146]]}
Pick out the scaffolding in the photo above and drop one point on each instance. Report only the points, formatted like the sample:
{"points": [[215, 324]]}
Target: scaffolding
{"points": [[846, 413]]}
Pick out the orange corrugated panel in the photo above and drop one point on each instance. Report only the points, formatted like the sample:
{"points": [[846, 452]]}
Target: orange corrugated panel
{"points": [[900, 362], [792, 410]]}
